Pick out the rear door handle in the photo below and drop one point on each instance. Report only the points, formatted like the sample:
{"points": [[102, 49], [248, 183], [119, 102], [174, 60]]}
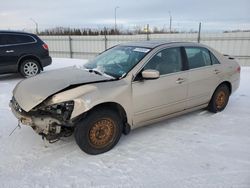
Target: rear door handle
{"points": [[216, 71], [180, 80], [9, 51]]}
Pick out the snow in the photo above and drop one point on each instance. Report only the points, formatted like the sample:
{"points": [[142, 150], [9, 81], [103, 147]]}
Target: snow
{"points": [[199, 149]]}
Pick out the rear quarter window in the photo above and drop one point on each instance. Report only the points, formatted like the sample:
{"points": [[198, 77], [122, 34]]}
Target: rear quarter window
{"points": [[214, 59]]}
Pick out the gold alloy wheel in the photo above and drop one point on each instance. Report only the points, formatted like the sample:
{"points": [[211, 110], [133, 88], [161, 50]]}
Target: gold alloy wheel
{"points": [[220, 99], [102, 133]]}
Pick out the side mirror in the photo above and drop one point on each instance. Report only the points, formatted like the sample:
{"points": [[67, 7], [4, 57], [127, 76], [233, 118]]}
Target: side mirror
{"points": [[150, 74]]}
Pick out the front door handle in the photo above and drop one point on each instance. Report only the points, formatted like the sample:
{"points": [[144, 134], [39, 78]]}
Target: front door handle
{"points": [[180, 80], [9, 51]]}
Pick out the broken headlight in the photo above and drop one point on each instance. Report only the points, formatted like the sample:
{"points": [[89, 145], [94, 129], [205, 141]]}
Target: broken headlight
{"points": [[60, 110]]}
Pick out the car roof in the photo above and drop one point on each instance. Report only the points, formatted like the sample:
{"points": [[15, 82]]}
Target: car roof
{"points": [[156, 43], [15, 32]]}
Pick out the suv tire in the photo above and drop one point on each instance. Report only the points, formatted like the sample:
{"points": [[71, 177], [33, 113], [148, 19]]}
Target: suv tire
{"points": [[29, 68]]}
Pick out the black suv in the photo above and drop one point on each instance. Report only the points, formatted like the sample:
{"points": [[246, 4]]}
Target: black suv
{"points": [[22, 52]]}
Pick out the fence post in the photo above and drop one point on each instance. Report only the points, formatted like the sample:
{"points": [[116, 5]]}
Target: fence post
{"points": [[70, 47], [105, 38], [106, 41], [199, 33], [148, 32]]}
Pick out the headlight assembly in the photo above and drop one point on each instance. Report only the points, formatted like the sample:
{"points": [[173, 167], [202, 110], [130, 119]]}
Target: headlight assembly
{"points": [[60, 110]]}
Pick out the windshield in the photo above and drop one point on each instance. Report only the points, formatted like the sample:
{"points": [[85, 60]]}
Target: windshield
{"points": [[118, 61]]}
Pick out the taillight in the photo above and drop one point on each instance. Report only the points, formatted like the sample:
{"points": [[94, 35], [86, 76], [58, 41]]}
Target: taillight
{"points": [[45, 47], [238, 69]]}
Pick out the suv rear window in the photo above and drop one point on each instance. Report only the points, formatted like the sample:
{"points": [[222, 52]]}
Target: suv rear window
{"points": [[6, 39]]}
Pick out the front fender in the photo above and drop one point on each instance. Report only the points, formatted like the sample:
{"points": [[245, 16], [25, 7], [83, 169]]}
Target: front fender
{"points": [[76, 95], [88, 96]]}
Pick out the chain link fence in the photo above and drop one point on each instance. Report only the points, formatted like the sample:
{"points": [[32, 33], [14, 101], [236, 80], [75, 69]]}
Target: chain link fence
{"points": [[236, 44]]}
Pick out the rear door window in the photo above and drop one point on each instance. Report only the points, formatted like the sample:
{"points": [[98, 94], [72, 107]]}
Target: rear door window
{"points": [[2, 39], [18, 39], [198, 57]]}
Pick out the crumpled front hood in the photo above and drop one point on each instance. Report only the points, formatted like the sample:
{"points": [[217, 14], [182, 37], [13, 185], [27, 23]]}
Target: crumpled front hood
{"points": [[32, 91]]}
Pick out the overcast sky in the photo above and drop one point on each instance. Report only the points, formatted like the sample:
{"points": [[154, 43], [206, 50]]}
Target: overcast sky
{"points": [[186, 14]]}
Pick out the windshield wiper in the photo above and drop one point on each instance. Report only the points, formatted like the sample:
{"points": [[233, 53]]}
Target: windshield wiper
{"points": [[95, 71]]}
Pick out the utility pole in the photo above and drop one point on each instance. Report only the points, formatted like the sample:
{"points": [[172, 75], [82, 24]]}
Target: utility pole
{"points": [[115, 18], [35, 24], [170, 21]]}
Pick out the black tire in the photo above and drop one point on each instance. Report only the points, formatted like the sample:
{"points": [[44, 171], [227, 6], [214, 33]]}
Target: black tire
{"points": [[29, 68], [219, 99], [99, 131]]}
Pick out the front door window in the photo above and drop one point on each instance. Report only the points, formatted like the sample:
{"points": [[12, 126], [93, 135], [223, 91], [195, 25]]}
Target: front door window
{"points": [[166, 61]]}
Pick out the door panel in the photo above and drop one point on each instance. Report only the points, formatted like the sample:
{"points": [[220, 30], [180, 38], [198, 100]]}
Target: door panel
{"points": [[156, 98], [9, 52], [202, 76], [8, 59], [201, 85]]}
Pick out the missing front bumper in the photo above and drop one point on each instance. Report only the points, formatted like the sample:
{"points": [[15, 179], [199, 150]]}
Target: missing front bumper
{"points": [[44, 125]]}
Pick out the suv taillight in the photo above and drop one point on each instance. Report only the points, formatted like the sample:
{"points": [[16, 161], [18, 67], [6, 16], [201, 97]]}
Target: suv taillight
{"points": [[45, 47]]}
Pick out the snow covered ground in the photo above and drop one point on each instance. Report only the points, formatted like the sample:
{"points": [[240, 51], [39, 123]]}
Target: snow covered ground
{"points": [[199, 149]]}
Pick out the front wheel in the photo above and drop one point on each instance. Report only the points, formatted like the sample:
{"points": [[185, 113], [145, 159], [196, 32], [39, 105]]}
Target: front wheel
{"points": [[99, 131], [219, 99], [30, 68]]}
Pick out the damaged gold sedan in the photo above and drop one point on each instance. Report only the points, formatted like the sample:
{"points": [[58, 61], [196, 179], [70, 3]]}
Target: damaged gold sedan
{"points": [[125, 87]]}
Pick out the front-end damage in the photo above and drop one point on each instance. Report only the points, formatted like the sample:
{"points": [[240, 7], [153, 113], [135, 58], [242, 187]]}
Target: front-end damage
{"points": [[53, 110], [53, 106], [51, 122]]}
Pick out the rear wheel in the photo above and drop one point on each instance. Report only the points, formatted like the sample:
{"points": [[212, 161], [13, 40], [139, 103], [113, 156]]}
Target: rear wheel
{"points": [[219, 99], [29, 68], [99, 131]]}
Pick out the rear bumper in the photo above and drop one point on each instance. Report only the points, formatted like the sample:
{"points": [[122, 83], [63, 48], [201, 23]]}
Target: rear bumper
{"points": [[46, 61], [235, 85]]}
